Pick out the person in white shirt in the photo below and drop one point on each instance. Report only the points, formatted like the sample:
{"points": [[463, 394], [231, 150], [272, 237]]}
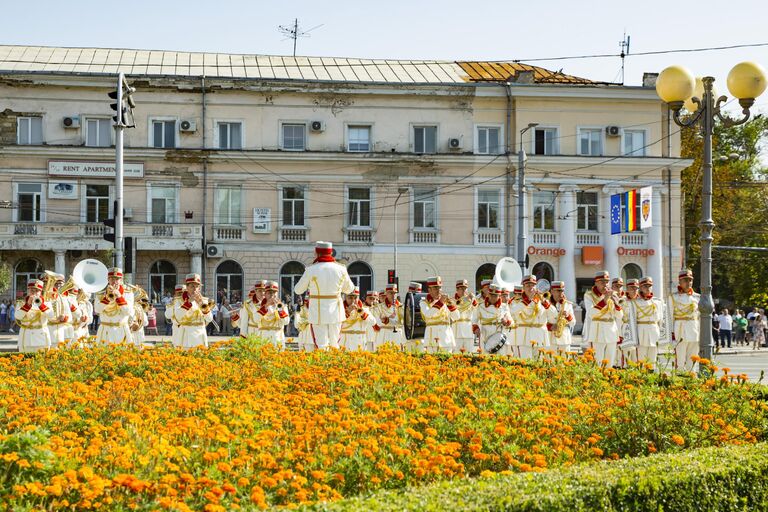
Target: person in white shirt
{"points": [[726, 328]]}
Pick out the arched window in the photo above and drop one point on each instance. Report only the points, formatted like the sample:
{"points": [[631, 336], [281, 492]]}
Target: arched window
{"points": [[631, 271], [25, 270], [362, 275], [229, 281], [543, 270], [162, 280], [290, 273], [484, 272]]}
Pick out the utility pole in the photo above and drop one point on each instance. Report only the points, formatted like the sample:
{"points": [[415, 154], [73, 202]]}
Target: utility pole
{"points": [[292, 32], [521, 204]]}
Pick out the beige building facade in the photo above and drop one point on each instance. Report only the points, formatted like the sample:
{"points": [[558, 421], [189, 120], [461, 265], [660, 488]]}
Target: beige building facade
{"points": [[237, 164]]}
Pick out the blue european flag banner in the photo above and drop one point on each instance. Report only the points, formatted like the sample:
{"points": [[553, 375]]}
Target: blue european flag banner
{"points": [[616, 214]]}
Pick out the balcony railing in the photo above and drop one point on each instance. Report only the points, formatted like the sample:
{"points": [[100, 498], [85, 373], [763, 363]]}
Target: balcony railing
{"points": [[425, 236], [25, 229], [94, 230], [226, 233], [489, 237], [634, 239], [545, 238], [583, 239], [162, 229], [357, 234], [293, 234]]}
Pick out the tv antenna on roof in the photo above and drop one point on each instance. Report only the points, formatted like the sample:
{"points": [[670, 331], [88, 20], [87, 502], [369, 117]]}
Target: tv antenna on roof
{"points": [[624, 52], [294, 32]]}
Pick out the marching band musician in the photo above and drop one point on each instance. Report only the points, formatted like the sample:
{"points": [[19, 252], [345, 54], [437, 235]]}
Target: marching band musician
{"points": [[170, 312], [138, 322], [530, 315], [505, 296], [684, 305], [617, 287], [272, 316], [389, 319], [82, 314], [301, 321], [372, 332], [414, 287], [517, 293], [354, 328], [602, 311], [490, 316], [326, 280], [462, 327], [438, 311], [649, 311], [485, 285], [628, 353], [114, 310], [246, 317], [72, 306], [32, 315], [561, 320], [59, 327], [193, 314]]}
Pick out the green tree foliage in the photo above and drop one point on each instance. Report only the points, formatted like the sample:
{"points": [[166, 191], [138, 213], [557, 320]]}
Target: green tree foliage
{"points": [[740, 209], [5, 275]]}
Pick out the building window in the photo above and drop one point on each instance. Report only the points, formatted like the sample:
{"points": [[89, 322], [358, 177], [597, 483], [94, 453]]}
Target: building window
{"points": [[425, 139], [98, 132], [162, 281], [544, 211], [591, 141], [359, 138], [586, 204], [164, 134], [489, 140], [229, 282], [290, 273], [543, 270], [294, 136], [634, 142], [359, 207], [424, 208], [360, 274], [293, 206], [163, 204], [230, 135], [488, 207], [545, 141], [29, 130], [97, 207], [631, 271], [30, 198], [228, 206], [24, 271], [483, 272]]}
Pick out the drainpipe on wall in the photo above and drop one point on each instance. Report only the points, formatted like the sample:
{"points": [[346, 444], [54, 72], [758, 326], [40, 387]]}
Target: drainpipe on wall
{"points": [[205, 185], [508, 186]]}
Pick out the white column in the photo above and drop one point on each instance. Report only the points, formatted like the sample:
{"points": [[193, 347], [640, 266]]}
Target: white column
{"points": [[196, 262], [59, 261], [610, 242], [567, 229], [655, 242]]}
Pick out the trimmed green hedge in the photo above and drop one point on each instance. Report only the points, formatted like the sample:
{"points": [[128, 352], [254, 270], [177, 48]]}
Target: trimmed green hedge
{"points": [[733, 478]]}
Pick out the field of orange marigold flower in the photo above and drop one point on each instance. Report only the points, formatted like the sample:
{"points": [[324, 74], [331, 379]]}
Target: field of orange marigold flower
{"points": [[118, 428]]}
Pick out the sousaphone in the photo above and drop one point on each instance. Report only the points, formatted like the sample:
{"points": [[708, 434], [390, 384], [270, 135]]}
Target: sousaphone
{"points": [[90, 275]]}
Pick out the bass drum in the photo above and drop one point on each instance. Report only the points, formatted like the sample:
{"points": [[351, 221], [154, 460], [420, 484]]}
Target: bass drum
{"points": [[413, 321]]}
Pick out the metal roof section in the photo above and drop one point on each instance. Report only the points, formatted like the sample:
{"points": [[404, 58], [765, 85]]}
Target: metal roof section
{"points": [[109, 61]]}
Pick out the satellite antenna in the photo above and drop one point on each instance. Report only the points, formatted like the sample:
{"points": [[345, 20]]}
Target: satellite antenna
{"points": [[294, 32], [624, 52]]}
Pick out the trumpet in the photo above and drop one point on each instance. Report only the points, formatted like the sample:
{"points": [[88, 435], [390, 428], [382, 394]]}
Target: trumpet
{"points": [[37, 301]]}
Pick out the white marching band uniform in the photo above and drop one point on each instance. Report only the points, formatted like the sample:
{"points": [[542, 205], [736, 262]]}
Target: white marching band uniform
{"points": [[561, 309], [301, 321], [355, 327], [85, 308], [115, 314], [170, 314], [438, 317], [389, 322], [140, 317], [649, 311], [61, 331], [272, 319], [325, 280], [628, 325], [191, 318], [530, 317], [246, 319], [462, 327], [371, 332], [491, 317], [602, 333], [684, 308], [33, 322]]}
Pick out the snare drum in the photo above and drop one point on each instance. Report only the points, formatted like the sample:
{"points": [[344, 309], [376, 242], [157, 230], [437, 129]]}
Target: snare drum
{"points": [[495, 342]]}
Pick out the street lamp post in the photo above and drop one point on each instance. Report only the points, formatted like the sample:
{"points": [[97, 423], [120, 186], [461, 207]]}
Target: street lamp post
{"points": [[675, 85], [400, 192], [521, 217]]}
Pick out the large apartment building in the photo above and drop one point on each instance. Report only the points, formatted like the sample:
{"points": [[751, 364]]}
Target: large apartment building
{"points": [[238, 163]]}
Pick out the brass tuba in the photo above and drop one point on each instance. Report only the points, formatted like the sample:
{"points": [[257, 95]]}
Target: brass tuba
{"points": [[508, 273], [90, 276]]}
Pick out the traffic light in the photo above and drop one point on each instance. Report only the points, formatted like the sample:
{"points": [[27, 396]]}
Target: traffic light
{"points": [[128, 266], [390, 276], [121, 117], [110, 223]]}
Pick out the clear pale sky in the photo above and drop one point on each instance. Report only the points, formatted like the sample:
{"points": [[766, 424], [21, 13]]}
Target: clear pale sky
{"points": [[414, 29]]}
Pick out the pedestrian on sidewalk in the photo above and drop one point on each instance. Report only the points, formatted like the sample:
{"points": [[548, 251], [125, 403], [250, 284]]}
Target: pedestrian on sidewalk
{"points": [[716, 329], [740, 327], [11, 317], [726, 328], [3, 315], [760, 325]]}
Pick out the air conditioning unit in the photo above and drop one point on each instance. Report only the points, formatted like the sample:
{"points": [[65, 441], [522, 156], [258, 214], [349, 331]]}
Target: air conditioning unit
{"points": [[71, 122], [188, 125], [214, 251], [454, 143], [317, 126], [127, 213], [613, 131]]}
